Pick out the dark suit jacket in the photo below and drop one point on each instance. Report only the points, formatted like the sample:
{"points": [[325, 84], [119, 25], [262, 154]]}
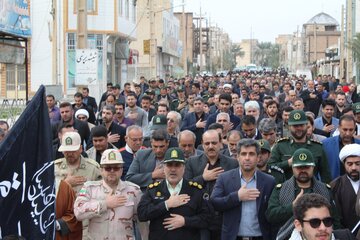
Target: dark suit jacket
{"points": [[195, 166], [225, 199], [189, 123], [141, 168], [91, 102], [81, 127], [152, 207], [233, 118], [311, 104]]}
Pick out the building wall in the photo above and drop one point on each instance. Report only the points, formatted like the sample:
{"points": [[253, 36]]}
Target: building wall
{"points": [[246, 46], [187, 45]]}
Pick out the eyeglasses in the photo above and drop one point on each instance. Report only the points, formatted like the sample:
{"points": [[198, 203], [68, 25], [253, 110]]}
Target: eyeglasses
{"points": [[115, 169], [316, 222]]}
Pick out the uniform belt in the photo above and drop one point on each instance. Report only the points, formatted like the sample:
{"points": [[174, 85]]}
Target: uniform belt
{"points": [[249, 238]]}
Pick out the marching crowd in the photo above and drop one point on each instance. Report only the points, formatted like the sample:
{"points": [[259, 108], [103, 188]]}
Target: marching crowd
{"points": [[240, 156]]}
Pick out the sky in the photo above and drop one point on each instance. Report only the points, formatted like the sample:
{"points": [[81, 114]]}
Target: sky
{"points": [[262, 19]]}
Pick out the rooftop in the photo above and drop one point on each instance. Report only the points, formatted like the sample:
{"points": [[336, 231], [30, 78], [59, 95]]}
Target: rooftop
{"points": [[323, 19]]}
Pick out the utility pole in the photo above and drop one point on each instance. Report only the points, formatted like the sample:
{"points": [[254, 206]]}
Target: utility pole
{"points": [[201, 41], [184, 22], [210, 45], [152, 40], [54, 42], [315, 42], [342, 44], [221, 51], [349, 34], [81, 32], [297, 47]]}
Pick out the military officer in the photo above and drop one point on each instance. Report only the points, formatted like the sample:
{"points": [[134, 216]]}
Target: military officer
{"points": [[262, 165], [110, 205], [74, 168], [208, 96], [285, 195], [180, 102], [285, 147], [175, 207]]}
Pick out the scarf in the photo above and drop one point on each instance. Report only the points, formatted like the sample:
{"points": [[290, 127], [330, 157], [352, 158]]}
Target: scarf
{"points": [[286, 198]]}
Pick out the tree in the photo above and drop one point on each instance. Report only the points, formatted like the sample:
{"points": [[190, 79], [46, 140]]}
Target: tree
{"points": [[236, 51], [267, 54], [354, 44]]}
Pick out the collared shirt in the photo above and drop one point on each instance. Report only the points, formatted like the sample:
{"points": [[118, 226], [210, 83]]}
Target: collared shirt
{"points": [[176, 189], [54, 115], [128, 149], [354, 184], [249, 224]]}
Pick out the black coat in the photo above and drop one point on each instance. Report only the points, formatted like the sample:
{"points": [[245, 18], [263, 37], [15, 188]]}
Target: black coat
{"points": [[152, 208]]}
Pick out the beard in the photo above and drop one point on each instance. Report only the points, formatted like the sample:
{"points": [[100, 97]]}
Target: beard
{"points": [[298, 134], [354, 175], [303, 178]]}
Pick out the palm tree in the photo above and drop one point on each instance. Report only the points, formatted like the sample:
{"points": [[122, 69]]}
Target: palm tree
{"points": [[236, 51], [354, 44]]}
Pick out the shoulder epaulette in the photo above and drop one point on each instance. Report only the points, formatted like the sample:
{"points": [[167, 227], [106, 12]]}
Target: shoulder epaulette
{"points": [[92, 183], [195, 185], [59, 160], [279, 185], [152, 185], [283, 139], [315, 141], [92, 162], [277, 168]]}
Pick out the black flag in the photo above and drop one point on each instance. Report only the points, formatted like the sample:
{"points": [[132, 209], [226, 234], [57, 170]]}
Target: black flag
{"points": [[27, 195]]}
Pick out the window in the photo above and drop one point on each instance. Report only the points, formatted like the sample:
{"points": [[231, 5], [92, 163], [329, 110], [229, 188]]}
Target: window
{"points": [[134, 11], [71, 41], [91, 6]]}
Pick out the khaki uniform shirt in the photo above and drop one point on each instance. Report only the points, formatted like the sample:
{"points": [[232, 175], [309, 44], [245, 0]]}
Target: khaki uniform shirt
{"points": [[107, 223], [88, 168]]}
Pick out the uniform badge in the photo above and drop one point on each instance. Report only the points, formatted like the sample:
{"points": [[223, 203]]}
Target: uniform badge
{"points": [[156, 184], [261, 143], [151, 185], [191, 183], [112, 156], [206, 196], [302, 156], [199, 186], [195, 184], [158, 120], [174, 154], [297, 116], [68, 141], [158, 194]]}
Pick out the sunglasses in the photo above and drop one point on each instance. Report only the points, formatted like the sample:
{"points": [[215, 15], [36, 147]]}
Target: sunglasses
{"points": [[316, 222], [115, 169]]}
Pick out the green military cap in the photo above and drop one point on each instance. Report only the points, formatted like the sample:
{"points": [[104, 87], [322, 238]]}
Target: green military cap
{"points": [[302, 157], [356, 107], [159, 122], [180, 89], [213, 85], [297, 117], [174, 155], [264, 144]]}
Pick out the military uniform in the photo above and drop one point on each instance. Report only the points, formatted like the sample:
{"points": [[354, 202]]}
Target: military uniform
{"points": [[276, 172], [88, 168], [107, 223], [152, 208], [285, 148], [175, 104], [280, 208]]}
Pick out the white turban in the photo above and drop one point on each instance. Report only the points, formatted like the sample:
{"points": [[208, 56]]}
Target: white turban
{"points": [[349, 150], [82, 112]]}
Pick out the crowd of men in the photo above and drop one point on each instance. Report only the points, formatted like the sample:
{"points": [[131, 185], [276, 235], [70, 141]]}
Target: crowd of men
{"points": [[223, 157]]}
